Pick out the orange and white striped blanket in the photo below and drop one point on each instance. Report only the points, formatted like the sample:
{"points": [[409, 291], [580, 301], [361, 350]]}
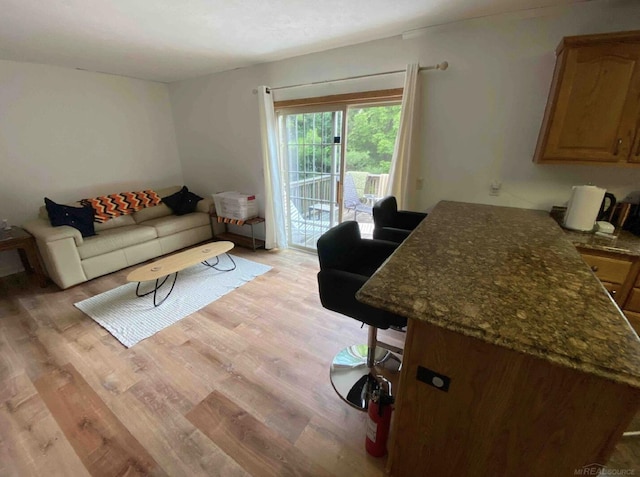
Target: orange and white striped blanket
{"points": [[124, 203], [227, 220]]}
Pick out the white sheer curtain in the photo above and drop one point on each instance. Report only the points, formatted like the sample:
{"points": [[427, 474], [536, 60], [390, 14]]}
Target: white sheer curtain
{"points": [[274, 224], [400, 185]]}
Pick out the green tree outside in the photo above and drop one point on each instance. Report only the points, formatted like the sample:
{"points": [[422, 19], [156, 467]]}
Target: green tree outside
{"points": [[371, 136]]}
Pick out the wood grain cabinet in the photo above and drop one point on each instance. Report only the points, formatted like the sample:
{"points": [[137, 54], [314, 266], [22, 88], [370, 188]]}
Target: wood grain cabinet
{"points": [[593, 110], [620, 275], [495, 416], [631, 306], [613, 270]]}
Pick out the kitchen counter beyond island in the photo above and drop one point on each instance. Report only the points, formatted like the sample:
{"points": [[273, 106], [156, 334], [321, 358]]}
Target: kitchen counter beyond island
{"points": [[512, 278], [625, 243]]}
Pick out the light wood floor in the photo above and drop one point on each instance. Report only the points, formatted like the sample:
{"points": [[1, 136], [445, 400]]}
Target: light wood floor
{"points": [[239, 388]]}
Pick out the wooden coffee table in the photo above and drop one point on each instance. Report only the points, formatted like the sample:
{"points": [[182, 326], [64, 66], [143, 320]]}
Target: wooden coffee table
{"points": [[162, 269]]}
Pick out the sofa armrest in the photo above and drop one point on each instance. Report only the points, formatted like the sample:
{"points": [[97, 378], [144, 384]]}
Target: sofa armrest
{"points": [[205, 205], [43, 231], [59, 251]]}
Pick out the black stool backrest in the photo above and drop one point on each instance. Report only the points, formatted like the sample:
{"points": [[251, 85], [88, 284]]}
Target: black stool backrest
{"points": [[336, 245], [384, 211]]}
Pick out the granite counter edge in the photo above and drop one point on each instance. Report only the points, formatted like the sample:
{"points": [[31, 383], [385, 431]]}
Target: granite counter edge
{"points": [[616, 376]]}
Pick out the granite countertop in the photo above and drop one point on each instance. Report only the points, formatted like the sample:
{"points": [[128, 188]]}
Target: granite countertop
{"points": [[510, 277], [622, 242]]}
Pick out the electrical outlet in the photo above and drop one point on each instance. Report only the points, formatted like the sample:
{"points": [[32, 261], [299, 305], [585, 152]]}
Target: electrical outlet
{"points": [[430, 377], [419, 183], [494, 188]]}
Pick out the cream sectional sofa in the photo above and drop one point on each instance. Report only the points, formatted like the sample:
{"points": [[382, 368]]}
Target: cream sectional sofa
{"points": [[119, 243]]}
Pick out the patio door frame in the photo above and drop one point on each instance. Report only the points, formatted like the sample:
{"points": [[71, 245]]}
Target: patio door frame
{"points": [[339, 102], [337, 175]]}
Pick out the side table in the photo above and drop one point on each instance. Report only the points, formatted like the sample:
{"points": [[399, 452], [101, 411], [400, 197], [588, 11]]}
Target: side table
{"points": [[21, 240], [242, 240]]}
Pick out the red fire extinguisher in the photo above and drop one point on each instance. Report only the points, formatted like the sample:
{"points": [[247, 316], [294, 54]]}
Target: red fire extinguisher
{"points": [[378, 422]]}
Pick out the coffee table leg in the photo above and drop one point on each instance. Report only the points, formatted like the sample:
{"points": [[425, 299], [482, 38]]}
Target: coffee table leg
{"points": [[151, 291], [215, 265], [156, 288]]}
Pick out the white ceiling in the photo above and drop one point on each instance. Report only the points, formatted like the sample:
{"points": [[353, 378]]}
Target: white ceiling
{"points": [[170, 40]]}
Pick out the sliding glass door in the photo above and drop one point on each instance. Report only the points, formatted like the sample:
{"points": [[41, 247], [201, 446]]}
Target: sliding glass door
{"points": [[335, 161], [312, 151]]}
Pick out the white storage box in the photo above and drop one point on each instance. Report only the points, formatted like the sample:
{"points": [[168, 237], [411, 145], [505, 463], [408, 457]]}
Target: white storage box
{"points": [[235, 205]]}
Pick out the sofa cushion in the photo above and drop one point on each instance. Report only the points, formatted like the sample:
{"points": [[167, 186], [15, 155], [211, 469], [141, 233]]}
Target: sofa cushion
{"points": [[174, 224], [115, 239], [80, 218], [150, 213], [182, 202], [121, 221]]}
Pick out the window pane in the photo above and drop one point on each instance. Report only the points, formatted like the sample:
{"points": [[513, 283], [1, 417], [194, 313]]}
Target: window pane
{"points": [[371, 137]]}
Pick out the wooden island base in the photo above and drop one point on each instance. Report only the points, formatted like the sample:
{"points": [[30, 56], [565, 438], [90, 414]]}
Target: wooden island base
{"points": [[505, 413]]}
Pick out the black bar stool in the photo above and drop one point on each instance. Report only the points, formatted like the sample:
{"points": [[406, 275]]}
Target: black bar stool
{"points": [[346, 263]]}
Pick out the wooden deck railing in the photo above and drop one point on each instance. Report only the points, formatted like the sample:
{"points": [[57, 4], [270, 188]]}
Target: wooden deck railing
{"points": [[308, 192]]}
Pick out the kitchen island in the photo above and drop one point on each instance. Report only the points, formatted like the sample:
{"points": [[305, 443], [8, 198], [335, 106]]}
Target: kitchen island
{"points": [[517, 361]]}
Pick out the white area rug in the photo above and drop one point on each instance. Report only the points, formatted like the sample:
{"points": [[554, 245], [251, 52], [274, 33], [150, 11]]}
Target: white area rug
{"points": [[131, 319]]}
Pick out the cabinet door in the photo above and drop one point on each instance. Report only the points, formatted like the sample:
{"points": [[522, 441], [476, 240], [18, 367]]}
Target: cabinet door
{"points": [[616, 271], [635, 151], [597, 104], [613, 289], [633, 302], [606, 268], [634, 320]]}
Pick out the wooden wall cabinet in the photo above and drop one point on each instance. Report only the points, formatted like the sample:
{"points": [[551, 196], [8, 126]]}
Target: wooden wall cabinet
{"points": [[593, 111]]}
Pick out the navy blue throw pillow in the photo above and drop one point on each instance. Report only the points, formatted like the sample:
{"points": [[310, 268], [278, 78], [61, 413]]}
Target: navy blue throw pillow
{"points": [[182, 202], [80, 218]]}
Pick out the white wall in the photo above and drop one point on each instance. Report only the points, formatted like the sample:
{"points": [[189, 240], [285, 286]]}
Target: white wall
{"points": [[69, 134], [481, 117]]}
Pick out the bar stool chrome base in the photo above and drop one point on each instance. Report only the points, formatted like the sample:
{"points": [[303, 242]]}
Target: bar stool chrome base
{"points": [[354, 380]]}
